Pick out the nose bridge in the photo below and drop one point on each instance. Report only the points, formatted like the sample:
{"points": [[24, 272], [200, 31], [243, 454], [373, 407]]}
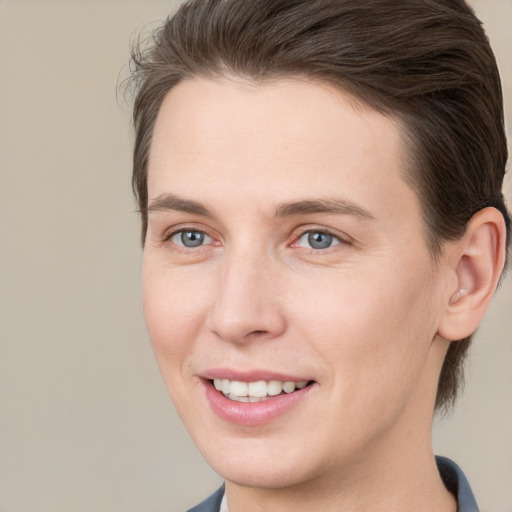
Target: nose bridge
{"points": [[246, 304]]}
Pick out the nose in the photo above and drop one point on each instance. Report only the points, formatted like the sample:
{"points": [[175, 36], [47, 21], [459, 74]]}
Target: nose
{"points": [[248, 304]]}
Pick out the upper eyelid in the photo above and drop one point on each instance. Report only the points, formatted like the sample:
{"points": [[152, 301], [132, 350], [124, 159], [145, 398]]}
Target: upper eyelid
{"points": [[321, 231], [301, 231], [170, 232]]}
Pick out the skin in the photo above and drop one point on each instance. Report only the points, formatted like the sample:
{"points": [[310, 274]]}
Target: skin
{"points": [[360, 318]]}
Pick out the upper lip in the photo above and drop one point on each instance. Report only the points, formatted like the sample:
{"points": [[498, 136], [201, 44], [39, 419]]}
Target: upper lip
{"points": [[251, 375]]}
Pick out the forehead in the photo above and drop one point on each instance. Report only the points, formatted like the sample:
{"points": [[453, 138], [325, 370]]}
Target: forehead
{"points": [[232, 110], [276, 142]]}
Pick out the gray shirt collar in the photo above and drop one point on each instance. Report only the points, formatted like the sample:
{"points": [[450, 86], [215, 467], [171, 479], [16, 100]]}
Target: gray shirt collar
{"points": [[457, 483]]}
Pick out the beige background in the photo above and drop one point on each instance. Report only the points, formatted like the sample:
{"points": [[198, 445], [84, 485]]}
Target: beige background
{"points": [[85, 422]]}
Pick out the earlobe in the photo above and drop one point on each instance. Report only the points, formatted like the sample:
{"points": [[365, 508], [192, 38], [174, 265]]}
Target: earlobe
{"points": [[478, 260]]}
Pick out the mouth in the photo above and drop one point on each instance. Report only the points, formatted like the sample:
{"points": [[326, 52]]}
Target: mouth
{"points": [[255, 397], [257, 391]]}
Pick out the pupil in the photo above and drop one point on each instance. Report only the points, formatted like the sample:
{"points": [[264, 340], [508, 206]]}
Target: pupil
{"points": [[319, 240], [192, 238]]}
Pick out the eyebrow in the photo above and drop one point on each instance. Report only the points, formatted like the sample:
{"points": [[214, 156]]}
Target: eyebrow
{"points": [[172, 202], [339, 206]]}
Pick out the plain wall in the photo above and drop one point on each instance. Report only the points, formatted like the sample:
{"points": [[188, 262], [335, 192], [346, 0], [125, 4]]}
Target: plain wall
{"points": [[85, 421]]}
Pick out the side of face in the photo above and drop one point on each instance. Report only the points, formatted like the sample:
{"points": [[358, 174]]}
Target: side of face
{"points": [[284, 245]]}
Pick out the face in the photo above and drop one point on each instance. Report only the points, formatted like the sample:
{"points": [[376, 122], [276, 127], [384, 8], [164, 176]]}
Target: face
{"points": [[288, 290]]}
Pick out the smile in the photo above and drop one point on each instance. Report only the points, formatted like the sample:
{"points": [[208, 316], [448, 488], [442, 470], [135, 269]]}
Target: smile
{"points": [[257, 391], [254, 400]]}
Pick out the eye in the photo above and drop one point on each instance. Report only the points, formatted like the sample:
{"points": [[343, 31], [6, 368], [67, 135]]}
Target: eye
{"points": [[190, 238], [317, 240]]}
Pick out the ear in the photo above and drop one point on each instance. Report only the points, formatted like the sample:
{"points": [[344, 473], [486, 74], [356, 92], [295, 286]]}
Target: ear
{"points": [[477, 260]]}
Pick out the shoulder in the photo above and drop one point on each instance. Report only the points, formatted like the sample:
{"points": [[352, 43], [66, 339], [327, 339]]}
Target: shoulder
{"points": [[456, 482], [210, 504]]}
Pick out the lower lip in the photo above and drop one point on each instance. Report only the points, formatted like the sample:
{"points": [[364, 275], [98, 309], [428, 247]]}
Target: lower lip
{"points": [[253, 413]]}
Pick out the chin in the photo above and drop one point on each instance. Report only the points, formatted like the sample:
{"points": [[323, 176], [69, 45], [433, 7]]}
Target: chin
{"points": [[267, 475], [259, 463]]}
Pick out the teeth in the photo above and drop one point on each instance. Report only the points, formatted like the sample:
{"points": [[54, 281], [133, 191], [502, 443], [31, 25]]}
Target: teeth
{"points": [[274, 387], [240, 389], [255, 391], [289, 387], [247, 398]]}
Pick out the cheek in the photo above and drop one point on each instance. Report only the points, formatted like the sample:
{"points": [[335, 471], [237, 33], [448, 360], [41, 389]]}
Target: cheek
{"points": [[374, 333], [174, 308]]}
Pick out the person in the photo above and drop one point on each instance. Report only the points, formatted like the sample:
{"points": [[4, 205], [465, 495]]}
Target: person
{"points": [[319, 183]]}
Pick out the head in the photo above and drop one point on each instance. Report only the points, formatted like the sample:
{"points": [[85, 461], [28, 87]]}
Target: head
{"points": [[427, 65], [278, 145]]}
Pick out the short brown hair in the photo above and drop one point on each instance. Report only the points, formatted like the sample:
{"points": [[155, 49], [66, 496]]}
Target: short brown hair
{"points": [[425, 62]]}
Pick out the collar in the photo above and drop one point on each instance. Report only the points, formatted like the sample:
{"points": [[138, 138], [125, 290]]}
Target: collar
{"points": [[457, 483]]}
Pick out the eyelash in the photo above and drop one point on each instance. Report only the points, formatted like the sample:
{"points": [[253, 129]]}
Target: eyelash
{"points": [[297, 236]]}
